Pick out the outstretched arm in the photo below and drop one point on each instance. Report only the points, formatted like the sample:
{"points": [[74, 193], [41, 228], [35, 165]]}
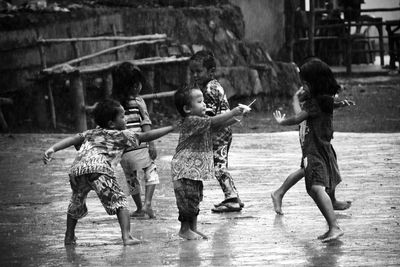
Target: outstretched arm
{"points": [[295, 119], [66, 142], [155, 134], [228, 118]]}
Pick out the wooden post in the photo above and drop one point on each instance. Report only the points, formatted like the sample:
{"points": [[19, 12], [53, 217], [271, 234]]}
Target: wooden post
{"points": [[78, 99], [381, 48], [74, 45], [3, 122], [311, 29], [108, 84], [43, 62], [115, 33], [150, 81], [349, 52]]}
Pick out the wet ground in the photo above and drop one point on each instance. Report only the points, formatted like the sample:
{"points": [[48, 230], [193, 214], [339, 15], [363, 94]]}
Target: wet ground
{"points": [[34, 198]]}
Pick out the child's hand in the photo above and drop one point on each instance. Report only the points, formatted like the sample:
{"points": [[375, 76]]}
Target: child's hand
{"points": [[152, 151], [279, 117], [346, 103], [48, 155], [245, 109]]}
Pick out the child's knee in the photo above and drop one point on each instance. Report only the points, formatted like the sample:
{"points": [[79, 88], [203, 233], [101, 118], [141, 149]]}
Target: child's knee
{"points": [[151, 175]]}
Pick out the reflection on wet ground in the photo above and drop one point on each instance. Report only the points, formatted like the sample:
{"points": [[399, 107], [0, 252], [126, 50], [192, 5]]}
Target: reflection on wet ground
{"points": [[34, 199]]}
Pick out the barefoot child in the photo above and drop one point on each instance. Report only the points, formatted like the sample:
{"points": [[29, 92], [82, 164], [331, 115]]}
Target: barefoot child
{"points": [[193, 159], [128, 82], [202, 67], [293, 178], [93, 168], [319, 158]]}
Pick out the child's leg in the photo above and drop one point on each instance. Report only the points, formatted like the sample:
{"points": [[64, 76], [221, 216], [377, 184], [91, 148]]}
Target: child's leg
{"points": [[125, 224], [151, 180], [290, 181], [193, 227], [188, 194], [339, 205], [324, 203], [114, 201], [134, 190], [130, 170], [70, 238], [225, 179]]}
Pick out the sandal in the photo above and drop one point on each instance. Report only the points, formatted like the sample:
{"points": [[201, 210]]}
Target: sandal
{"points": [[227, 207]]}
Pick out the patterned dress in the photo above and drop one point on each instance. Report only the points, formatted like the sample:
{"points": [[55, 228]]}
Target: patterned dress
{"points": [[319, 157]]}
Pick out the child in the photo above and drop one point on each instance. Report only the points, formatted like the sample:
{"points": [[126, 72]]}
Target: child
{"points": [[128, 82], [193, 159], [202, 66], [319, 158], [293, 178], [93, 168]]}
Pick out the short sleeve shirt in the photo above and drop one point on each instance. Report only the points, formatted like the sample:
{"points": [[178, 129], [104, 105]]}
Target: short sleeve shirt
{"points": [[217, 103], [193, 158], [101, 150]]}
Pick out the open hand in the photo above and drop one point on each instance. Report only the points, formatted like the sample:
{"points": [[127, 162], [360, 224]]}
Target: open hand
{"points": [[48, 155], [348, 103], [279, 117]]}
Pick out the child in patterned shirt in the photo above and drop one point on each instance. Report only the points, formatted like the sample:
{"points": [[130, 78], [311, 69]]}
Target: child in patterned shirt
{"points": [[193, 159], [93, 169], [128, 82], [202, 67]]}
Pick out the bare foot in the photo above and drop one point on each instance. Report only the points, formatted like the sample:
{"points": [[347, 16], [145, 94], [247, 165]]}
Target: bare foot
{"points": [[190, 235], [332, 234], [70, 241], [131, 241], [277, 201], [149, 211], [323, 236], [341, 205], [200, 234], [137, 214]]}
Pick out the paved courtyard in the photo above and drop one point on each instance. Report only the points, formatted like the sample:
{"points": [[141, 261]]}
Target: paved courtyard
{"points": [[34, 198]]}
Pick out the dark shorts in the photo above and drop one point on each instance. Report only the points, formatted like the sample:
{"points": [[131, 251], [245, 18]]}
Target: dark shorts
{"points": [[107, 189], [188, 194]]}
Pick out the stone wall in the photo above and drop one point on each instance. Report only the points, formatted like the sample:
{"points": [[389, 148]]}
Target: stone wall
{"points": [[244, 67]]}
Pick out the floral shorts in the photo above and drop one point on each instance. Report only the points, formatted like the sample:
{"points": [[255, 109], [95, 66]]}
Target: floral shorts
{"points": [[188, 194], [107, 189]]}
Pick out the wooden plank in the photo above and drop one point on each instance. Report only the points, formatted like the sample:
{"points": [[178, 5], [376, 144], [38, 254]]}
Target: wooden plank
{"points": [[88, 69], [105, 38], [102, 52]]}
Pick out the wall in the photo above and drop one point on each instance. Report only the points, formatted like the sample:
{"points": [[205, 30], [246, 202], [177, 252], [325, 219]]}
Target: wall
{"points": [[264, 21]]}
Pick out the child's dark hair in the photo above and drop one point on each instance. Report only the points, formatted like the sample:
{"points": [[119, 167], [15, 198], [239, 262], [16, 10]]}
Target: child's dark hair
{"points": [[105, 111], [205, 56], [125, 75], [182, 98], [319, 77]]}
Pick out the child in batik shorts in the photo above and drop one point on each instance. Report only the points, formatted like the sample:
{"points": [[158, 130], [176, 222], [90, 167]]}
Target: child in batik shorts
{"points": [[202, 67], [193, 159], [93, 169]]}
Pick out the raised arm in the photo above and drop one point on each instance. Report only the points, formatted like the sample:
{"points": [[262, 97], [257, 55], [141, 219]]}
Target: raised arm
{"points": [[66, 142], [295, 119]]}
